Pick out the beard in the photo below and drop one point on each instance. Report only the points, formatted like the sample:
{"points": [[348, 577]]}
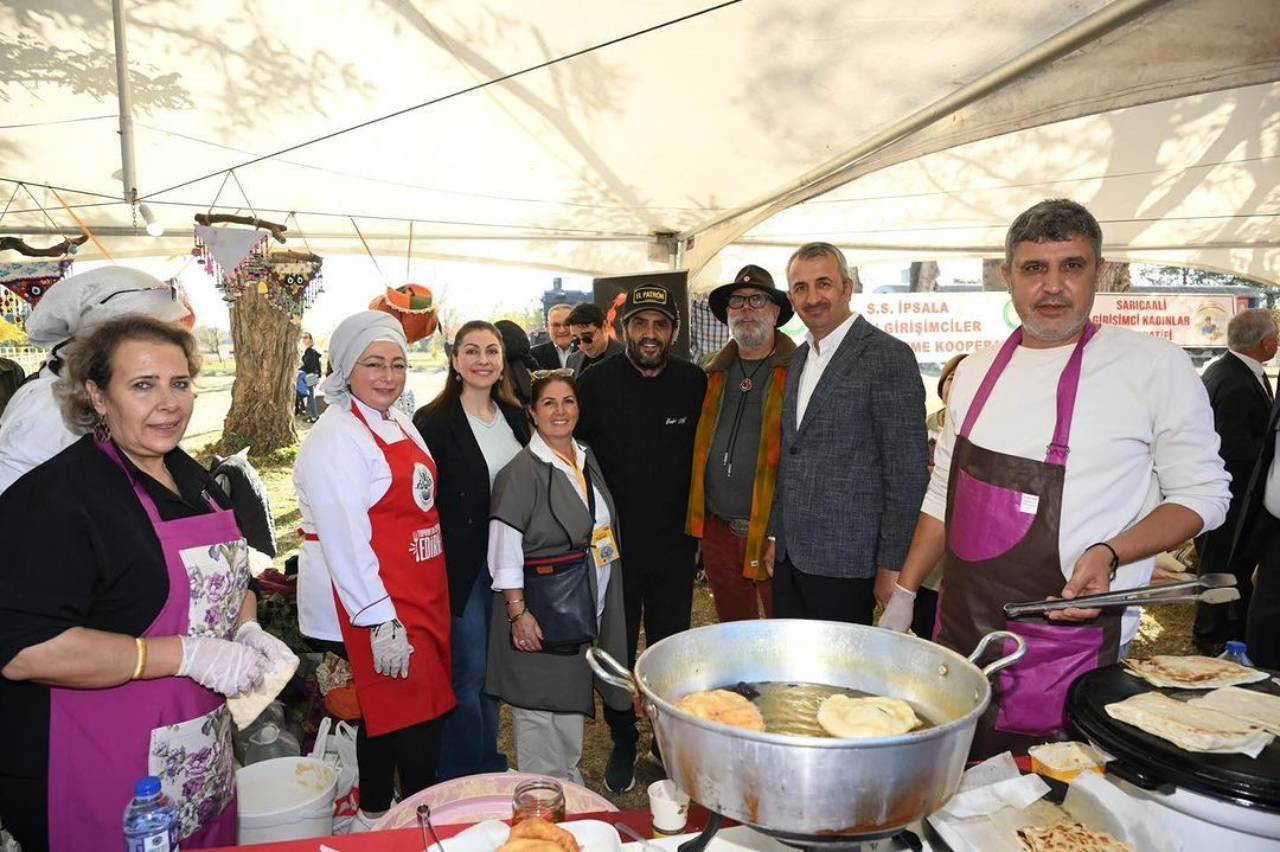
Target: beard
{"points": [[750, 334], [644, 361], [1053, 330]]}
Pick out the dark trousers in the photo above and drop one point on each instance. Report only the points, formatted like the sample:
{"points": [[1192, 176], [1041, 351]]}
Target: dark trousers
{"points": [[1216, 624], [735, 595], [657, 586], [413, 752], [797, 594], [470, 736], [926, 613], [1263, 632]]}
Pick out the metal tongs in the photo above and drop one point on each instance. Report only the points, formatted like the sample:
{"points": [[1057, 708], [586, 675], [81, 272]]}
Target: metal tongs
{"points": [[1207, 588]]}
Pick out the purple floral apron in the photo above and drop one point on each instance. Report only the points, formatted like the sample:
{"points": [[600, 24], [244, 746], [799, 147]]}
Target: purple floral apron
{"points": [[101, 741], [1004, 513]]}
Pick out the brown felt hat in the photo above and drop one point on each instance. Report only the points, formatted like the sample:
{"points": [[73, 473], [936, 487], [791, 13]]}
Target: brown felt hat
{"points": [[750, 276]]}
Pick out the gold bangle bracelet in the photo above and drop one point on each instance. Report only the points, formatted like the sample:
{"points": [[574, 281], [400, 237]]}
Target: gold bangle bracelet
{"points": [[142, 657]]}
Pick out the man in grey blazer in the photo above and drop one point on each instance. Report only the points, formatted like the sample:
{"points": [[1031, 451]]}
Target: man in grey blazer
{"points": [[854, 462]]}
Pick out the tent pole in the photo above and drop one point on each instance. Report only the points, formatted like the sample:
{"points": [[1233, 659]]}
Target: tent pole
{"points": [[125, 96]]}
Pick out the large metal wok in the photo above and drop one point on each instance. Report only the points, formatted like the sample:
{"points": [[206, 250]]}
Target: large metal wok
{"points": [[813, 790]]}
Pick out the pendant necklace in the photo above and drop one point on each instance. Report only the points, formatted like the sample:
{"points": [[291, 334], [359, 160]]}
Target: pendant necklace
{"points": [[745, 385]]}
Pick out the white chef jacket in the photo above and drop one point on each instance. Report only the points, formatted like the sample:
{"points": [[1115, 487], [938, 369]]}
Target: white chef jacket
{"points": [[1142, 435], [340, 474], [506, 544], [32, 430]]}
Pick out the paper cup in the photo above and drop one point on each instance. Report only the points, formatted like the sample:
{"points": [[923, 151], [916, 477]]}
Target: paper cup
{"points": [[669, 807]]}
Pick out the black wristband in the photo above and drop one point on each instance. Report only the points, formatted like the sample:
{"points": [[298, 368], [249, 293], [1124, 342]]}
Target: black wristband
{"points": [[1115, 557]]}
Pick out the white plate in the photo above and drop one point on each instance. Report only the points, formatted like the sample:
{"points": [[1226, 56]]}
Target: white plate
{"points": [[592, 835]]}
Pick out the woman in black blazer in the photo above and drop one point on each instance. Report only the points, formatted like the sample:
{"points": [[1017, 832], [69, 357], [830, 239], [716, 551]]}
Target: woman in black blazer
{"points": [[473, 428]]}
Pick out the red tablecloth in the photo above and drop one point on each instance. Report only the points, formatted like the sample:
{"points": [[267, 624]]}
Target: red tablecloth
{"points": [[410, 839]]}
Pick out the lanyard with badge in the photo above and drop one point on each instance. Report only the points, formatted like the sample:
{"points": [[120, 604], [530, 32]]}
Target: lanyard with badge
{"points": [[603, 546]]}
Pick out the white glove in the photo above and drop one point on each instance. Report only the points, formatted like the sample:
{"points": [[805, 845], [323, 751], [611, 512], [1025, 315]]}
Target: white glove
{"points": [[226, 667], [251, 633], [391, 649], [900, 611]]}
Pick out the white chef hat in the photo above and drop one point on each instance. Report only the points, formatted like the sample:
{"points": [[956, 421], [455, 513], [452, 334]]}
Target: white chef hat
{"points": [[100, 294], [348, 342]]}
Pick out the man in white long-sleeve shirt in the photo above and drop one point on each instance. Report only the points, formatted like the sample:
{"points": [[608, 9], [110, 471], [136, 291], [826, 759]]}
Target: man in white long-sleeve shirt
{"points": [[1130, 468]]}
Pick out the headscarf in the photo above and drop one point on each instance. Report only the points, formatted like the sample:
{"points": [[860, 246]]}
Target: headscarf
{"points": [[77, 301], [352, 336]]}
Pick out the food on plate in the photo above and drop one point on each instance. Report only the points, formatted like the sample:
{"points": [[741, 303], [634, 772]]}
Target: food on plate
{"points": [[874, 716], [535, 834], [1193, 672], [723, 706], [1259, 708], [1068, 837], [1063, 761], [1189, 727]]}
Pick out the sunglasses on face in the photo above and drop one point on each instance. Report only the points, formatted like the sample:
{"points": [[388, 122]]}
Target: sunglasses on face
{"points": [[755, 300]]}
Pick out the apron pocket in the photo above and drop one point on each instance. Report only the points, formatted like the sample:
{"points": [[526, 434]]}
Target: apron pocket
{"points": [[1033, 691], [987, 520], [194, 763], [218, 574]]}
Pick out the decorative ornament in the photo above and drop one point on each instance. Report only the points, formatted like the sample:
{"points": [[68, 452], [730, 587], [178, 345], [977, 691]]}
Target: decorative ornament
{"points": [[294, 282], [745, 385], [234, 256], [415, 307], [31, 279]]}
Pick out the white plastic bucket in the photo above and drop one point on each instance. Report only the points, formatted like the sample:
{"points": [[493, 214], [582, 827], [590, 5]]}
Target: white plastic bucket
{"points": [[286, 798]]}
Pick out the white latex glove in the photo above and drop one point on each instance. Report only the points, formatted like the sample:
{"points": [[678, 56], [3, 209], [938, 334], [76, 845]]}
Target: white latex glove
{"points": [[251, 633], [226, 667], [900, 610], [391, 649]]}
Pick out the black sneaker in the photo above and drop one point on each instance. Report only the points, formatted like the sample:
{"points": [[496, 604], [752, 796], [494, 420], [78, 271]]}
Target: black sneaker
{"points": [[620, 774]]}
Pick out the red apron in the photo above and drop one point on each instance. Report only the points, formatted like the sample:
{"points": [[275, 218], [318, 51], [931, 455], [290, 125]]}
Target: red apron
{"points": [[1003, 518], [101, 741], [406, 540]]}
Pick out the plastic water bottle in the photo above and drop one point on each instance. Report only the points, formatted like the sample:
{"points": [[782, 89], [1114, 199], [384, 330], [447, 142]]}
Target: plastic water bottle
{"points": [[1235, 653], [150, 820]]}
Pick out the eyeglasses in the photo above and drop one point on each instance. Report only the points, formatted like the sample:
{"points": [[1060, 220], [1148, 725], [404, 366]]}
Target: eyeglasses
{"points": [[755, 300], [379, 367], [173, 293], [559, 372]]}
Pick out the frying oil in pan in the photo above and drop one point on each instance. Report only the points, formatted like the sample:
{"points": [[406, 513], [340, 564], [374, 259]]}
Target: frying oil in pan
{"points": [[792, 708]]}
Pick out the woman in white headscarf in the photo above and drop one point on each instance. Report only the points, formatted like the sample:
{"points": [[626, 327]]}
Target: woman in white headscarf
{"points": [[371, 543], [32, 430]]}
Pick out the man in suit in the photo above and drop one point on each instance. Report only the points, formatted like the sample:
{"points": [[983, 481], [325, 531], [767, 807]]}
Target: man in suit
{"points": [[1240, 394], [1257, 542], [854, 460], [553, 354]]}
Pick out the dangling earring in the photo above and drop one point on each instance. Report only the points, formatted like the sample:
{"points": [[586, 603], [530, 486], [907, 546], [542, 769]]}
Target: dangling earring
{"points": [[101, 431], [457, 377]]}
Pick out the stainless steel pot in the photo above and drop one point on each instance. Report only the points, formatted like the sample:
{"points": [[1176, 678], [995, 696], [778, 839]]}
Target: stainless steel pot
{"points": [[812, 788]]}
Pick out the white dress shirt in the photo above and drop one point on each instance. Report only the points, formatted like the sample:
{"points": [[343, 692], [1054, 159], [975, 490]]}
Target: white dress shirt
{"points": [[32, 430], [1271, 492], [506, 544], [1142, 435], [820, 353], [563, 354], [339, 475]]}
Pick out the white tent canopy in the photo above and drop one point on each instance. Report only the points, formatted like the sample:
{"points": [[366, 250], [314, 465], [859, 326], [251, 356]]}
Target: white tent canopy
{"points": [[907, 129]]}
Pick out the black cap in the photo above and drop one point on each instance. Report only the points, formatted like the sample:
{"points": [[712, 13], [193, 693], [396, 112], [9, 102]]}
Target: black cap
{"points": [[650, 297], [750, 276]]}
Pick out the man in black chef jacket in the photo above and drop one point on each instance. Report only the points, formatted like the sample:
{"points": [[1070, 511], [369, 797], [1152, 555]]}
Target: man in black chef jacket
{"points": [[639, 414]]}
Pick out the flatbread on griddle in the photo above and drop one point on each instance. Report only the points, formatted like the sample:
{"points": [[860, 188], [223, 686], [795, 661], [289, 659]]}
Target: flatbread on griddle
{"points": [[1257, 708], [1189, 727], [848, 717], [1192, 672], [1068, 837]]}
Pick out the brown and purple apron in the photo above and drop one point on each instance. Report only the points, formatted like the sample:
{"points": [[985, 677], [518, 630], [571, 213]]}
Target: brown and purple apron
{"points": [[101, 741], [1004, 514]]}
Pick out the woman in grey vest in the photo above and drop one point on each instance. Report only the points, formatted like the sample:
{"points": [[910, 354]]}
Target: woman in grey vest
{"points": [[548, 502]]}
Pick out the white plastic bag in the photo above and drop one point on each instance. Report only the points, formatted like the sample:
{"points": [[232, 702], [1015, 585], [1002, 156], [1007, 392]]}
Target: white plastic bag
{"points": [[336, 745]]}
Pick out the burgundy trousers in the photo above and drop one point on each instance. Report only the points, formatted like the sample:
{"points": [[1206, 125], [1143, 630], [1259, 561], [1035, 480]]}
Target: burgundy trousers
{"points": [[735, 595]]}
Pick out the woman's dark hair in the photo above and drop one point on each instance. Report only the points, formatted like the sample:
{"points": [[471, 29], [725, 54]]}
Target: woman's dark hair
{"points": [[89, 360], [542, 382], [949, 368], [500, 392]]}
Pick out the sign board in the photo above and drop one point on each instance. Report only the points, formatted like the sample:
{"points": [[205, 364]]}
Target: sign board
{"points": [[939, 325]]}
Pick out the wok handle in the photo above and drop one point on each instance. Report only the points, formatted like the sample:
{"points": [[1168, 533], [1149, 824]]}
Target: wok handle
{"points": [[1004, 662], [611, 671]]}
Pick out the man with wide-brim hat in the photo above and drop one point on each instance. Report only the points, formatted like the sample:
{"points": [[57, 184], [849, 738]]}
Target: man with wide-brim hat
{"points": [[736, 450], [750, 277]]}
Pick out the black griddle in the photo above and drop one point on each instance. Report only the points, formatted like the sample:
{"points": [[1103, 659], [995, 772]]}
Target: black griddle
{"points": [[1153, 763]]}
